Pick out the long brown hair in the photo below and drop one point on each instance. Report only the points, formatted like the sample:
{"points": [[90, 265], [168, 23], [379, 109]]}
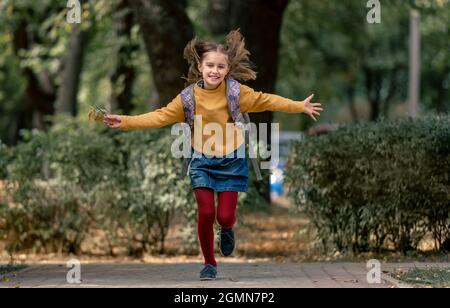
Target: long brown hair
{"points": [[238, 57]]}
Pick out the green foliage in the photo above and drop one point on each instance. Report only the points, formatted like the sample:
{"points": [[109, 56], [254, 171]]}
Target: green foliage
{"points": [[434, 277], [78, 181], [375, 186], [11, 89], [8, 268], [345, 60], [435, 31], [9, 271], [4, 159], [74, 180], [154, 190], [48, 38], [54, 179]]}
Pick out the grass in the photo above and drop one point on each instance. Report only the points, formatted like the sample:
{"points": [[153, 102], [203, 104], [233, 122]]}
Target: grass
{"points": [[431, 277], [8, 271]]}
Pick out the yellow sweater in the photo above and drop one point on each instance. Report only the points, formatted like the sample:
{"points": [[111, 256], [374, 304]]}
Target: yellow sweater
{"points": [[212, 105]]}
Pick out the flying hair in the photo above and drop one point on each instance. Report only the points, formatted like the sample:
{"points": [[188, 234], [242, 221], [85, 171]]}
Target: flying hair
{"points": [[241, 68]]}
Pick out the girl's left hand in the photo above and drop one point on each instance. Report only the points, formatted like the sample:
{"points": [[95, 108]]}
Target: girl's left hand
{"points": [[312, 108]]}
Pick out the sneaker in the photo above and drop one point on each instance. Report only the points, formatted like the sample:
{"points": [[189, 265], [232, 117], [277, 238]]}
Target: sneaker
{"points": [[209, 272], [226, 242]]}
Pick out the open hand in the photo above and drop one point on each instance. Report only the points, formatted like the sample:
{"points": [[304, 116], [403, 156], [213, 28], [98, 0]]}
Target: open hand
{"points": [[312, 108], [112, 120]]}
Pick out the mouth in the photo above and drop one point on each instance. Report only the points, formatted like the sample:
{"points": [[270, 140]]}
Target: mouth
{"points": [[214, 78]]}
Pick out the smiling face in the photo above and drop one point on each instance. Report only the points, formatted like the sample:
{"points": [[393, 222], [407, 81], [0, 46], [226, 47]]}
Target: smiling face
{"points": [[214, 68]]}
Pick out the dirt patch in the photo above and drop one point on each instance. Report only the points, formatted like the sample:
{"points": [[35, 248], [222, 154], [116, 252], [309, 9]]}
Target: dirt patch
{"points": [[276, 233], [273, 234]]}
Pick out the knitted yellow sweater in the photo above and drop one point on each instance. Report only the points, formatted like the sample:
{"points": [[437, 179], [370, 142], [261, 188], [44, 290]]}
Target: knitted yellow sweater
{"points": [[212, 105]]}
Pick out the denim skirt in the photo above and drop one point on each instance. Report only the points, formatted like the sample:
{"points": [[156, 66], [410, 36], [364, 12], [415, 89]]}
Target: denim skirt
{"points": [[227, 173]]}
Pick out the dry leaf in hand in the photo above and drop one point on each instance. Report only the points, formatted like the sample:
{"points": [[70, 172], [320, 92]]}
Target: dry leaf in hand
{"points": [[97, 114]]}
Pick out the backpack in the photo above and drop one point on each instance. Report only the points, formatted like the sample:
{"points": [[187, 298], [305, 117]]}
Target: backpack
{"points": [[240, 119]]}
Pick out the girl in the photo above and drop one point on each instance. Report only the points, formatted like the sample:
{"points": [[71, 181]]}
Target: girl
{"points": [[210, 64]]}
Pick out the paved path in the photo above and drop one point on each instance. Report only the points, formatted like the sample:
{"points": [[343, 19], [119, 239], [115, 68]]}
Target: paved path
{"points": [[231, 275]]}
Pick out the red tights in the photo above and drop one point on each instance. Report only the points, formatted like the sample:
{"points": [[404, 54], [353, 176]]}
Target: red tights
{"points": [[226, 217]]}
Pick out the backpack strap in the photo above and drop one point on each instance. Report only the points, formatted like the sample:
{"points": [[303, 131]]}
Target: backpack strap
{"points": [[241, 119], [188, 101]]}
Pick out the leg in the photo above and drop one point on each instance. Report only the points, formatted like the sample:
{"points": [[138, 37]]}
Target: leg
{"points": [[226, 217], [206, 218], [226, 209]]}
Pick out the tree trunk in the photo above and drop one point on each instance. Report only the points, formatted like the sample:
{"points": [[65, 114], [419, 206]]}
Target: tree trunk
{"points": [[39, 96], [166, 29], [373, 88], [351, 102], [123, 77], [442, 97], [68, 91], [391, 81]]}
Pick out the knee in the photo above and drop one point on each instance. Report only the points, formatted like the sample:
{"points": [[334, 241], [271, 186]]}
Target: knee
{"points": [[226, 220], [207, 213]]}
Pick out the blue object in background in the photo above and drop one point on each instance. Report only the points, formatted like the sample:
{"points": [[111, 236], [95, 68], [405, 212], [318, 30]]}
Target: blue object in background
{"points": [[277, 174], [276, 186], [276, 180]]}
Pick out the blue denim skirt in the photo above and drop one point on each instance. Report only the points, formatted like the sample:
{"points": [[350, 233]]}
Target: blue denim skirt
{"points": [[227, 173]]}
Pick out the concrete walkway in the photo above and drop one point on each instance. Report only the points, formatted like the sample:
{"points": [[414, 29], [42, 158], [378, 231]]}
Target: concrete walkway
{"points": [[231, 275]]}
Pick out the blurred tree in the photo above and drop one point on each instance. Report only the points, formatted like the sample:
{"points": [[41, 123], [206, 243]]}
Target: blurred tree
{"points": [[343, 56], [331, 48], [12, 86], [435, 34], [123, 76], [49, 52], [165, 28], [36, 41], [260, 24], [39, 93], [328, 48], [66, 101]]}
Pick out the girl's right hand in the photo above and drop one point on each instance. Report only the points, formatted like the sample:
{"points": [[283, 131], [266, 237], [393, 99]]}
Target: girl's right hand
{"points": [[112, 120]]}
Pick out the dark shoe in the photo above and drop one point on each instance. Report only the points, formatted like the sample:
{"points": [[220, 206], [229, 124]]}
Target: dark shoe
{"points": [[209, 272], [226, 243]]}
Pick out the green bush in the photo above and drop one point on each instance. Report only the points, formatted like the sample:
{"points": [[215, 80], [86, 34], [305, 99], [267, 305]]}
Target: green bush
{"points": [[76, 183], [52, 180], [153, 188], [75, 180], [253, 200], [374, 186], [4, 158]]}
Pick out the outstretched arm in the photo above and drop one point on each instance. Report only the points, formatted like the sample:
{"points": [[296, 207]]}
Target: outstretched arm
{"points": [[254, 101], [172, 113]]}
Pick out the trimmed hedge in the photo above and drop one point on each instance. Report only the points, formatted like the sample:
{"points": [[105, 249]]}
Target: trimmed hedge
{"points": [[374, 186]]}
